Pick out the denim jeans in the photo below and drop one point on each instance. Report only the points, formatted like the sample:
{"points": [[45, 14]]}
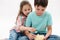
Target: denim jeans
{"points": [[20, 36], [17, 36], [51, 37], [23, 38]]}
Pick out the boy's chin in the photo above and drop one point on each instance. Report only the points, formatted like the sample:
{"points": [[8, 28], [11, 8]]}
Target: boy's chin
{"points": [[39, 14]]}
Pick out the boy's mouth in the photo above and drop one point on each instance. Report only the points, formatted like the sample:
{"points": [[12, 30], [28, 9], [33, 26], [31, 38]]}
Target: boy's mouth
{"points": [[39, 14]]}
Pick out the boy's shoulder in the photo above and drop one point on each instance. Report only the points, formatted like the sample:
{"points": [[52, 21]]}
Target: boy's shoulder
{"points": [[47, 13], [31, 13]]}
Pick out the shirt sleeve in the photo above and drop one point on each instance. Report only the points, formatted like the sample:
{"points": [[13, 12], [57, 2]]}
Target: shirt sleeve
{"points": [[49, 21], [28, 21]]}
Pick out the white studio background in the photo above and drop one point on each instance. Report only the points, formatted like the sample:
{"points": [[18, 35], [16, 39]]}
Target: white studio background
{"points": [[9, 10]]}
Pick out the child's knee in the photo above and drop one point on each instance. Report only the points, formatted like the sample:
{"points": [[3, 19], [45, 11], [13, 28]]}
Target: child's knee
{"points": [[13, 34], [51, 39]]}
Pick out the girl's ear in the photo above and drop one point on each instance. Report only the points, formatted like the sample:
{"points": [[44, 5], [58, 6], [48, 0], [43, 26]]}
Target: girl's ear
{"points": [[22, 10]]}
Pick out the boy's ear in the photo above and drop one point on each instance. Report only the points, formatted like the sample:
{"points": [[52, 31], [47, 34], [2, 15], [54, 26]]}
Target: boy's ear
{"points": [[34, 6]]}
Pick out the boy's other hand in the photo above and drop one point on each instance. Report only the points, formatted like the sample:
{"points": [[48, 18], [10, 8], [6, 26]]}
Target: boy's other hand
{"points": [[45, 38]]}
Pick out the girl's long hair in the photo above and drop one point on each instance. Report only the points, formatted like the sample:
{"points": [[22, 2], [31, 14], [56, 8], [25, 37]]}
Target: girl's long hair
{"points": [[21, 6]]}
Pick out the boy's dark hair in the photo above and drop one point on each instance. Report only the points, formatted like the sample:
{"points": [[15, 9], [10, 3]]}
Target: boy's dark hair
{"points": [[42, 3]]}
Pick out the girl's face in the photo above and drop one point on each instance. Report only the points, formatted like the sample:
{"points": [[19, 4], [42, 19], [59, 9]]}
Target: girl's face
{"points": [[26, 9]]}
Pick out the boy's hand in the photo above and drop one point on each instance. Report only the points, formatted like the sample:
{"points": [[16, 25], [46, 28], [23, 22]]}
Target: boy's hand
{"points": [[31, 36], [45, 38]]}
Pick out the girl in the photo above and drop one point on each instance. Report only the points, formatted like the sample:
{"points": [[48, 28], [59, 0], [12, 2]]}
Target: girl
{"points": [[17, 33]]}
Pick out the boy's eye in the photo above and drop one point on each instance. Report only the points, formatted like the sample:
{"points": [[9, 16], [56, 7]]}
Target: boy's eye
{"points": [[42, 9], [38, 9]]}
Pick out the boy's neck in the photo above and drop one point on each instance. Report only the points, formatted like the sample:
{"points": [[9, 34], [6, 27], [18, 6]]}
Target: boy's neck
{"points": [[39, 14]]}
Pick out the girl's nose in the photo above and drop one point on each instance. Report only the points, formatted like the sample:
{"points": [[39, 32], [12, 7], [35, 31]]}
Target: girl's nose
{"points": [[28, 11]]}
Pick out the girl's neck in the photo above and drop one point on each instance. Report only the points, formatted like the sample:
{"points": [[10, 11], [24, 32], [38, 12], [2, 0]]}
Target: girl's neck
{"points": [[24, 15]]}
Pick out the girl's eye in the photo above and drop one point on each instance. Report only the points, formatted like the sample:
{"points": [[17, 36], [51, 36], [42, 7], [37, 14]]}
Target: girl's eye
{"points": [[28, 9], [25, 10]]}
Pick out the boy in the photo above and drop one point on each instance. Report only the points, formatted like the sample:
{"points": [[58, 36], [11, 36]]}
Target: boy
{"points": [[40, 20]]}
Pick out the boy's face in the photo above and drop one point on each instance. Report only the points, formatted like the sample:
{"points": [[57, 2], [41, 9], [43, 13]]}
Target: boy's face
{"points": [[39, 10]]}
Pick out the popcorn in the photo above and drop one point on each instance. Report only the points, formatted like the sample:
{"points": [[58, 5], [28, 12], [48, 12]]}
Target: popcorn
{"points": [[39, 37]]}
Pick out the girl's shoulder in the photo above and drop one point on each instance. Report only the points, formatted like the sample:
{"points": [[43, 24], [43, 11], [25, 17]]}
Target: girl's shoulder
{"points": [[21, 17]]}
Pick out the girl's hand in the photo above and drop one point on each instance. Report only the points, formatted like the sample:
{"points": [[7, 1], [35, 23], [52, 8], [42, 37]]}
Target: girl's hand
{"points": [[31, 29], [20, 28], [17, 29]]}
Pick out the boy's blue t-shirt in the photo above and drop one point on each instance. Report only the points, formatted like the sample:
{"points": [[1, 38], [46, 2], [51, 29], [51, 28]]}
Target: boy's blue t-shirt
{"points": [[40, 23]]}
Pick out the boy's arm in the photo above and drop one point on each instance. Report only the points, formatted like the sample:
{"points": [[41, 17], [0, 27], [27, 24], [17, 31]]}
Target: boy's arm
{"points": [[49, 32], [49, 26]]}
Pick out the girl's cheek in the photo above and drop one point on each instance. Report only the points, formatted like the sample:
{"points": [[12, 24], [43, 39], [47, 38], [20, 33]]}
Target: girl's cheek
{"points": [[24, 12], [30, 11]]}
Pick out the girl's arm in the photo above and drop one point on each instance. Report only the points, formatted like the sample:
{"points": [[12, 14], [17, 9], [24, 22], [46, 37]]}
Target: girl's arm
{"points": [[49, 32], [19, 27]]}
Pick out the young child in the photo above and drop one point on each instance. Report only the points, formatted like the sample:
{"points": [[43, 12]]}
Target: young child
{"points": [[17, 32], [41, 20]]}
